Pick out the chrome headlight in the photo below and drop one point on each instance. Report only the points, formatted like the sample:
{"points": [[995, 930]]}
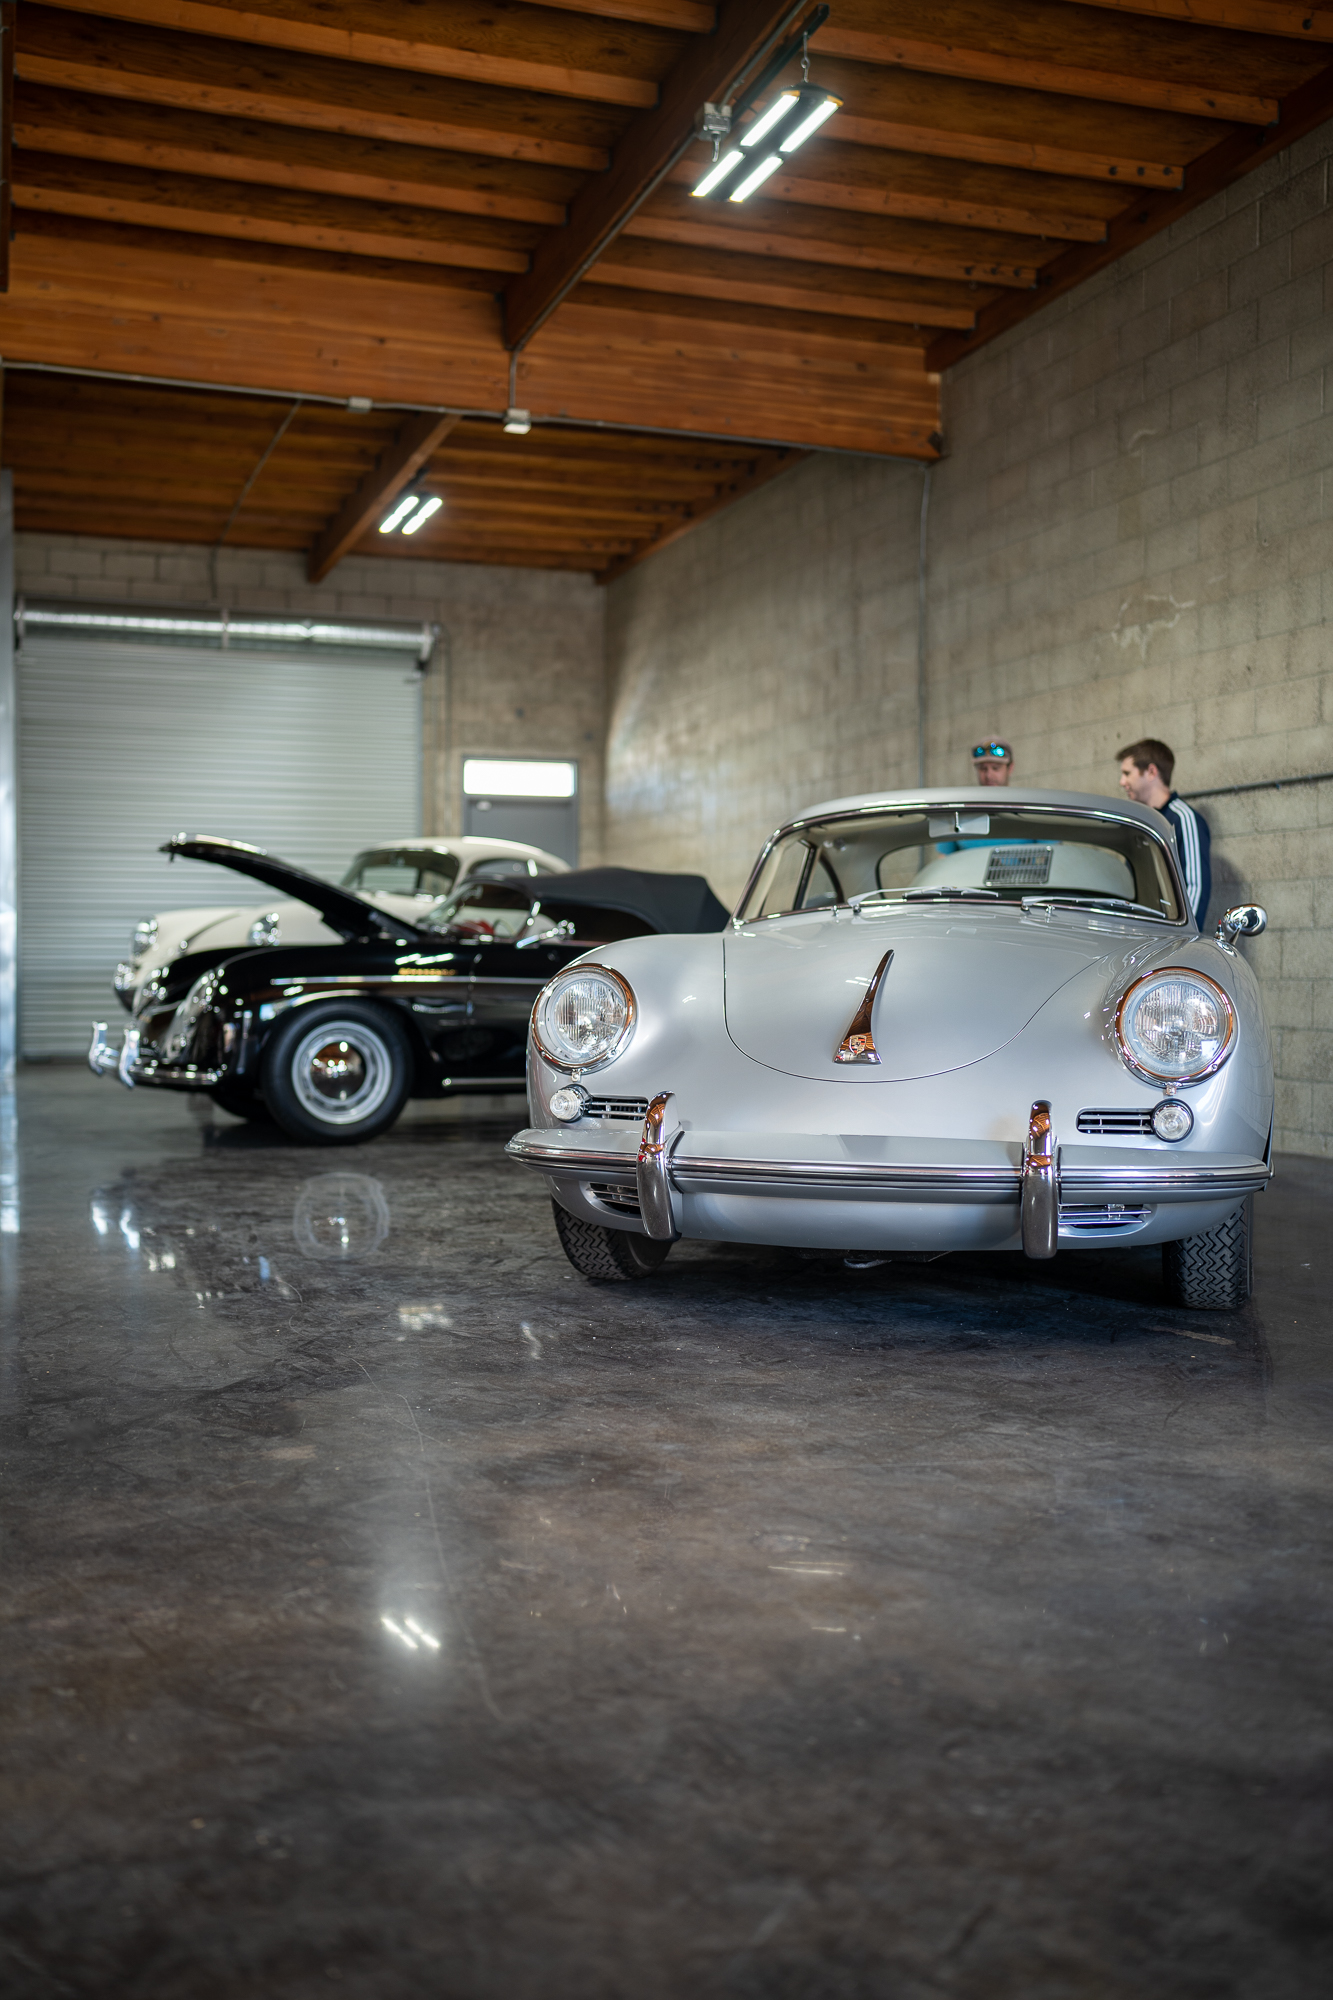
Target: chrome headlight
{"points": [[1175, 1026], [583, 1017], [142, 936]]}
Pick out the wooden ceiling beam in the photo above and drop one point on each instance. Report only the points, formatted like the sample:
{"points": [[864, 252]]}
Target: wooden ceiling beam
{"points": [[855, 242], [396, 466], [1239, 153], [1006, 126], [508, 43], [728, 324], [690, 17], [759, 473], [8, 11], [868, 180], [85, 127], [775, 281], [1307, 23], [201, 73], [1044, 45], [646, 152], [196, 203]]}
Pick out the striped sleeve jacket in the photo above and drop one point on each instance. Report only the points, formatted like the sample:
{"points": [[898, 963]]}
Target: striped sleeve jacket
{"points": [[1193, 844]]}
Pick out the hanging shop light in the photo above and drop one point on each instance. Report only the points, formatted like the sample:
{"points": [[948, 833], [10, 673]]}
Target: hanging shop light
{"points": [[399, 513], [793, 117], [410, 513], [425, 512]]}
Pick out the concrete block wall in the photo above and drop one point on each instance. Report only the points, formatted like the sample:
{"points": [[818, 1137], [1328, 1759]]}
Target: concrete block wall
{"points": [[519, 670], [765, 661], [1130, 536]]}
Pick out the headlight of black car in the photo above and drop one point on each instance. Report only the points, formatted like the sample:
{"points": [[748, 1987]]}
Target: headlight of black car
{"points": [[584, 1017], [1175, 1026]]}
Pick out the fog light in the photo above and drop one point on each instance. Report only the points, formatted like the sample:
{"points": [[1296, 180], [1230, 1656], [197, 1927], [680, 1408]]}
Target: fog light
{"points": [[1172, 1120], [568, 1103]]}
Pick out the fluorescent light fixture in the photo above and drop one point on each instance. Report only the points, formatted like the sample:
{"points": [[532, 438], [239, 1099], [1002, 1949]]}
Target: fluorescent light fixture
{"points": [[717, 174], [757, 178], [512, 778], [811, 124], [789, 121], [777, 109], [428, 509], [399, 514], [517, 423]]}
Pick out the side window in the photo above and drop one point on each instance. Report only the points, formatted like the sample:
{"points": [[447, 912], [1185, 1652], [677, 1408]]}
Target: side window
{"points": [[785, 874]]}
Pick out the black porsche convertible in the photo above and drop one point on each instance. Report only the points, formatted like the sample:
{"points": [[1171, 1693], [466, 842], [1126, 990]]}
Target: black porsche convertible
{"points": [[330, 1041]]}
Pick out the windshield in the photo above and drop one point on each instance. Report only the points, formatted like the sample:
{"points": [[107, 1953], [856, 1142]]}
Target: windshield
{"points": [[514, 910], [1023, 855], [403, 871]]}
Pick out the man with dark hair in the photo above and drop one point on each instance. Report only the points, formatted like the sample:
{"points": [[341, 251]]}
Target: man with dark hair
{"points": [[1145, 775]]}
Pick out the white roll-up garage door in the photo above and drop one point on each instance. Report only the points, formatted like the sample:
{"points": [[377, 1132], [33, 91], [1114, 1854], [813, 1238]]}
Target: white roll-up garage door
{"points": [[123, 745]]}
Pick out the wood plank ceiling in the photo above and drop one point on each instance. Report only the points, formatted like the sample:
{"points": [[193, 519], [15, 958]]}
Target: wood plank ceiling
{"points": [[451, 208]]}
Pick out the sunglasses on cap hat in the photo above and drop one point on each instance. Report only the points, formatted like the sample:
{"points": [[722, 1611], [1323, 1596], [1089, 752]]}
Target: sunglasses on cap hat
{"points": [[992, 750]]}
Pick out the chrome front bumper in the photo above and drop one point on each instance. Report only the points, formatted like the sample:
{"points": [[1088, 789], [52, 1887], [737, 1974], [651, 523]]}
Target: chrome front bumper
{"points": [[133, 1068], [1049, 1185]]}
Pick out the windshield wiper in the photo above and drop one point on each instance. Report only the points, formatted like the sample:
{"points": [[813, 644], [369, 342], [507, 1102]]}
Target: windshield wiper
{"points": [[1074, 901], [923, 896]]}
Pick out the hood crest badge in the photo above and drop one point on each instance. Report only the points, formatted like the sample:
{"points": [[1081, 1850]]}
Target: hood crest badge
{"points": [[858, 1044]]}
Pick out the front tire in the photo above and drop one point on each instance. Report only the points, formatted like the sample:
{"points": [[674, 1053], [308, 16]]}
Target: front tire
{"points": [[606, 1256], [1213, 1271], [337, 1073]]}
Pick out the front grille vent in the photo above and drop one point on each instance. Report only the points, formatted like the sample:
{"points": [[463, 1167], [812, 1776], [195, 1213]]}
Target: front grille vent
{"points": [[623, 1199], [1124, 1124], [626, 1110], [1111, 1215]]}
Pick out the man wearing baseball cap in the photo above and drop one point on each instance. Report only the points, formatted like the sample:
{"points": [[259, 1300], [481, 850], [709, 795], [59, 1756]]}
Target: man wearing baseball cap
{"points": [[992, 762]]}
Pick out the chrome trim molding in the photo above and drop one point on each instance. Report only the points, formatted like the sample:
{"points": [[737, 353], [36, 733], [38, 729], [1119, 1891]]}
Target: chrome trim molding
{"points": [[1041, 1192], [1177, 1179], [858, 1044], [653, 1172]]}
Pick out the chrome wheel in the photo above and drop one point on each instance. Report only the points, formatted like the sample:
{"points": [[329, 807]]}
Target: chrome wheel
{"points": [[341, 1072]]}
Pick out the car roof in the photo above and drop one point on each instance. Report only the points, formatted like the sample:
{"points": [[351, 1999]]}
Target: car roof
{"points": [[974, 796]]}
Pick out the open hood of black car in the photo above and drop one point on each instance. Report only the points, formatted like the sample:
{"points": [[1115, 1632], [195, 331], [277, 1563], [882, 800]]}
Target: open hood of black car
{"points": [[667, 902], [354, 920]]}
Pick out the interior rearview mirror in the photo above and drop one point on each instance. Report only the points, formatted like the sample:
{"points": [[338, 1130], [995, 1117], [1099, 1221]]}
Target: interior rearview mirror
{"points": [[942, 825]]}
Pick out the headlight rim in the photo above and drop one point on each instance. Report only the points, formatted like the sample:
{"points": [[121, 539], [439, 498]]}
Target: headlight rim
{"points": [[1163, 1077], [579, 969]]}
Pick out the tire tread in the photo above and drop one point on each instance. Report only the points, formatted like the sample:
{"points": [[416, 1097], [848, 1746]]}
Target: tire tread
{"points": [[1210, 1272], [606, 1256]]}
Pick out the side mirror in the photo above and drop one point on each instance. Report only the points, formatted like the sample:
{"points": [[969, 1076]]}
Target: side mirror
{"points": [[1244, 920]]}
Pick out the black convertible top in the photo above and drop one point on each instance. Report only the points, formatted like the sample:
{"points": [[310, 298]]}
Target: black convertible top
{"points": [[667, 902]]}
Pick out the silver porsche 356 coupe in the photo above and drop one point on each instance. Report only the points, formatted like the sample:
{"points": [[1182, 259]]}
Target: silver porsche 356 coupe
{"points": [[938, 1021]]}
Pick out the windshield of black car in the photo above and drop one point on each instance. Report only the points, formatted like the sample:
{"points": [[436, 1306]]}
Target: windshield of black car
{"points": [[403, 871], [1021, 854], [513, 911]]}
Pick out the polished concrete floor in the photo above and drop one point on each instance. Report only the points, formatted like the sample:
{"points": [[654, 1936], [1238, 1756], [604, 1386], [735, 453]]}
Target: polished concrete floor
{"points": [[391, 1613]]}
